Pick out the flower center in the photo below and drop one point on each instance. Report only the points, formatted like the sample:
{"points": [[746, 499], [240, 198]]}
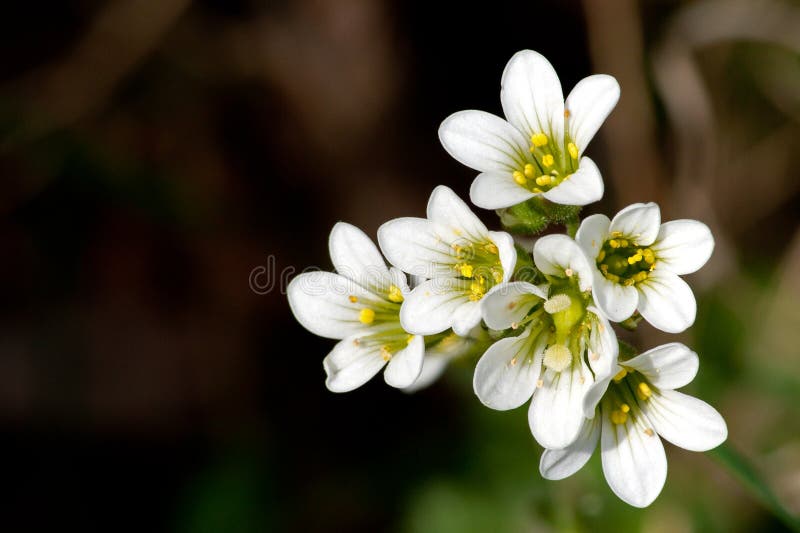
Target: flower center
{"points": [[480, 263], [547, 164], [621, 261]]}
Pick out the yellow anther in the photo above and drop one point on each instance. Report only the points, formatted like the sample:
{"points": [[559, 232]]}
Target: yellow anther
{"points": [[536, 190], [649, 432], [620, 375], [497, 276], [513, 361], [601, 255], [366, 316], [616, 234], [548, 160], [466, 270], [557, 357], [643, 391], [568, 272], [539, 140], [624, 407], [385, 353], [543, 180], [519, 177], [649, 256], [640, 277], [619, 417], [491, 248], [612, 277], [352, 299], [614, 243], [573, 150], [566, 113], [628, 282], [529, 171], [395, 294], [635, 258], [477, 291]]}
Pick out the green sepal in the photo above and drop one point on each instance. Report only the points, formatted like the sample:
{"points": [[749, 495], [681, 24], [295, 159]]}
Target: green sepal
{"points": [[535, 215]]}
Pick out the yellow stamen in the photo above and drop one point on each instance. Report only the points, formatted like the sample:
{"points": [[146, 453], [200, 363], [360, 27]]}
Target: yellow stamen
{"points": [[366, 316], [649, 432], [620, 375], [548, 160], [539, 140], [648, 256], [529, 171], [644, 391], [395, 294], [519, 177], [625, 407], [385, 353], [573, 150], [635, 258], [491, 248], [466, 270], [497, 276], [619, 417], [352, 299], [601, 255], [543, 180], [477, 290]]}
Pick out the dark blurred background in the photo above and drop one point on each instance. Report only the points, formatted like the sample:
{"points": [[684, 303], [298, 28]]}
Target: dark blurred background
{"points": [[155, 155]]}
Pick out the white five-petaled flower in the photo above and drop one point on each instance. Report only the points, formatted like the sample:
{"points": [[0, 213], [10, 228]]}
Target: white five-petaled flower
{"points": [[639, 405], [637, 261], [565, 345], [538, 149], [361, 305], [460, 258]]}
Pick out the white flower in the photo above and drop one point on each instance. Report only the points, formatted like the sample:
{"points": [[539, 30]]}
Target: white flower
{"points": [[637, 261], [639, 406], [565, 344], [440, 353], [361, 305], [460, 257], [537, 151]]}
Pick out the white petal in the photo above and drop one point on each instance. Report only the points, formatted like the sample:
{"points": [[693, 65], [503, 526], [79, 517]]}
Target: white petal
{"points": [[399, 280], [603, 356], [560, 464], [634, 462], [508, 303], [582, 187], [356, 257], [431, 307], [505, 251], [669, 366], [554, 255], [591, 235], [405, 366], [531, 95], [556, 413], [484, 142], [321, 302], [351, 364], [617, 301], [446, 209], [667, 302], [505, 376], [493, 190], [466, 317], [685, 421], [639, 222], [433, 366], [414, 245], [589, 103], [684, 245]]}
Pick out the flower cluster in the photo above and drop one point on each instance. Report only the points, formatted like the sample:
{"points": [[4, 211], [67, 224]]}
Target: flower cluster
{"points": [[537, 321]]}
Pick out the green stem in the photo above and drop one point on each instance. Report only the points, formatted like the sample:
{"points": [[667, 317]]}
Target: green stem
{"points": [[744, 472]]}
